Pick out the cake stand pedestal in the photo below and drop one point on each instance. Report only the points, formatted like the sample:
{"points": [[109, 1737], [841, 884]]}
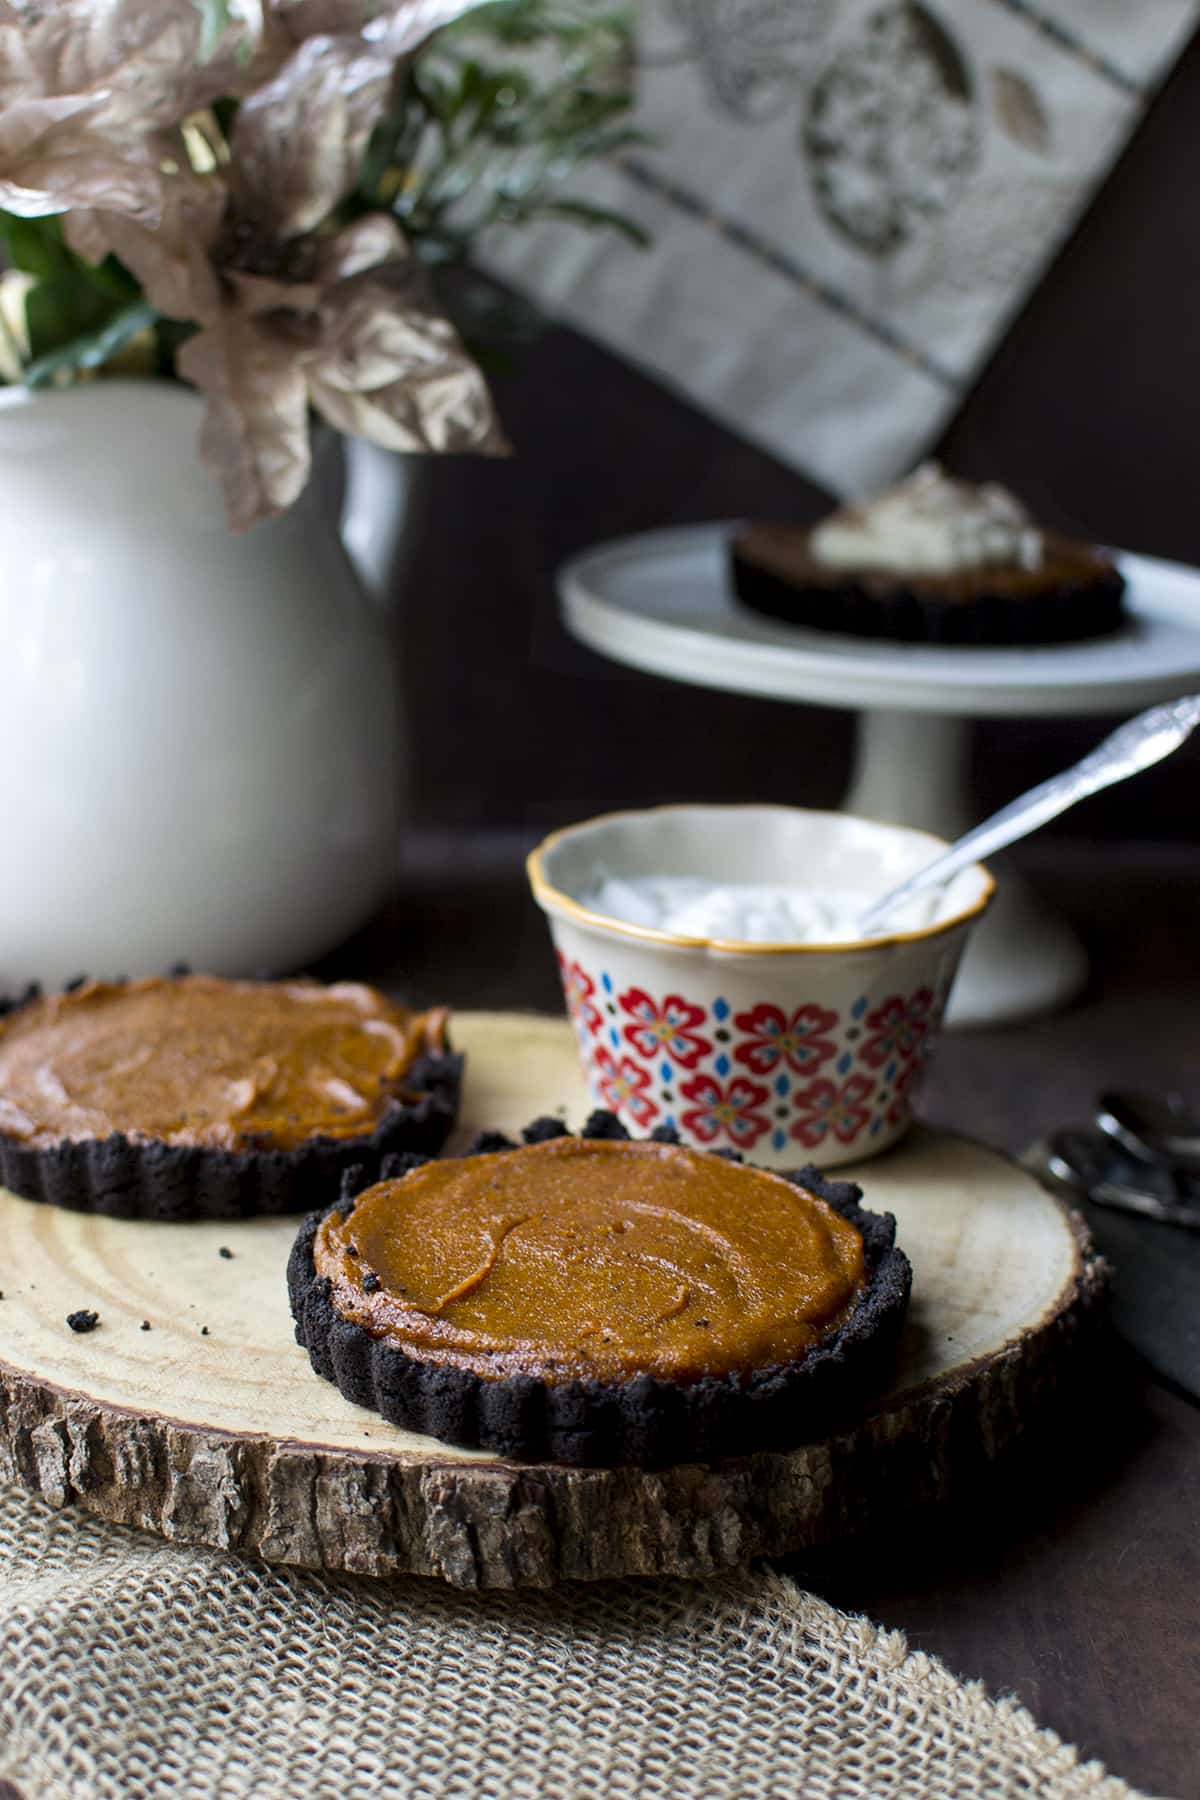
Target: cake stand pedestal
{"points": [[1022, 961], [661, 602]]}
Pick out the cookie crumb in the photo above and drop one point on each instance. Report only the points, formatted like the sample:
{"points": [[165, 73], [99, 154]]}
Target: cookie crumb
{"points": [[83, 1320], [145, 1325], [543, 1129], [204, 1331], [605, 1125], [371, 1282], [486, 1143], [226, 1252]]}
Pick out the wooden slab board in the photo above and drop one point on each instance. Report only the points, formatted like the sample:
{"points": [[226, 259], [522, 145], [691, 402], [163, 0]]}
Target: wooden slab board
{"points": [[224, 1436]]}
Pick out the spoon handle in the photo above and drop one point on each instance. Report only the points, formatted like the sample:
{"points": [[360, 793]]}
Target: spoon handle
{"points": [[1135, 745]]}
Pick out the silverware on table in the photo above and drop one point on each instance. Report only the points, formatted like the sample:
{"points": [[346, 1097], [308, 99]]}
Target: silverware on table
{"points": [[1103, 1172], [1154, 1128], [1145, 1218], [1140, 1155]]}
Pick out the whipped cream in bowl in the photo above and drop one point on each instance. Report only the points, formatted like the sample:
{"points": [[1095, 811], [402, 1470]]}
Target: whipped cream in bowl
{"points": [[747, 912], [718, 985], [929, 524]]}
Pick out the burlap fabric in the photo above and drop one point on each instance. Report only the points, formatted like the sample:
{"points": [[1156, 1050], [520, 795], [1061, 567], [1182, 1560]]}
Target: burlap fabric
{"points": [[133, 1668]]}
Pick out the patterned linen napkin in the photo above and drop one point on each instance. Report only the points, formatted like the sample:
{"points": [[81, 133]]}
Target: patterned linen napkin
{"points": [[849, 199]]}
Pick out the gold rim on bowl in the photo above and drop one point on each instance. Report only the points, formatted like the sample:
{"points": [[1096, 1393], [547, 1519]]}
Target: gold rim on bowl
{"points": [[553, 900]]}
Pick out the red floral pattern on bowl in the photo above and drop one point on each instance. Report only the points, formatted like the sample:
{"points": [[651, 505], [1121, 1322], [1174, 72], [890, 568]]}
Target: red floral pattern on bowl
{"points": [[718, 1112], [625, 1088], [900, 1027], [785, 1084], [670, 1027], [790, 1053], [578, 992], [830, 1106], [774, 1040]]}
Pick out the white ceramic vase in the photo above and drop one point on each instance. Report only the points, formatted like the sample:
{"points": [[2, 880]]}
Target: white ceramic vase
{"points": [[198, 735]]}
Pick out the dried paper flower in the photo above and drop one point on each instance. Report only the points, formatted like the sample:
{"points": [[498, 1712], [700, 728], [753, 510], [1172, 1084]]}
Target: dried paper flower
{"points": [[104, 114], [171, 261], [393, 370], [405, 23], [255, 432], [299, 140], [360, 340], [91, 92]]}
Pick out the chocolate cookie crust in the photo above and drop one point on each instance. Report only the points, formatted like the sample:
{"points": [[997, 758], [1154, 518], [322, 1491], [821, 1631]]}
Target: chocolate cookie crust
{"points": [[644, 1421], [1075, 594], [123, 1178]]}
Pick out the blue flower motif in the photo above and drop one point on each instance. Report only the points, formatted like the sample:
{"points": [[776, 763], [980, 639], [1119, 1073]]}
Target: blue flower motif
{"points": [[778, 1140], [859, 1008], [664, 1070], [720, 1009], [606, 982], [614, 1037], [722, 1065], [842, 1064], [783, 1087]]}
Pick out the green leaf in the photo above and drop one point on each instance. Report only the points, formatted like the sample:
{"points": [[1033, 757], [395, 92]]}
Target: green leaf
{"points": [[35, 245], [496, 114], [58, 311], [91, 350], [584, 214], [216, 18]]}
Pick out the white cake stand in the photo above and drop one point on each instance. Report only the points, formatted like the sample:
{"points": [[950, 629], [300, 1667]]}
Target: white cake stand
{"points": [[661, 602]]}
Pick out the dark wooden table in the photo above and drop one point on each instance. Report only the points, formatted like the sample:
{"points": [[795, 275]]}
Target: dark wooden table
{"points": [[1073, 1581]]}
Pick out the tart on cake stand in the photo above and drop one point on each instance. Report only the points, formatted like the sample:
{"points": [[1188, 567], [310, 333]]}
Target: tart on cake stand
{"points": [[662, 602]]}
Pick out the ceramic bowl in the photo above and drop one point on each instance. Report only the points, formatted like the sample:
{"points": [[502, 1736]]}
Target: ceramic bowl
{"points": [[792, 1053]]}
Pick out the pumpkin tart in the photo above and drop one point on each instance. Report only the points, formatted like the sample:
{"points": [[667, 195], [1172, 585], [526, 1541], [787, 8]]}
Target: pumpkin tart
{"points": [[189, 1096], [598, 1299]]}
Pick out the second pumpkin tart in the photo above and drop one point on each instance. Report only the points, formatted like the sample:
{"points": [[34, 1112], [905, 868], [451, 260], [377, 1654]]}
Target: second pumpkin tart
{"points": [[596, 1299], [193, 1096]]}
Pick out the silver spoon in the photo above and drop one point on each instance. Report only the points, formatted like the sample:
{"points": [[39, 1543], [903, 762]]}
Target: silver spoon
{"points": [[1154, 1129], [1094, 1166], [1131, 748]]}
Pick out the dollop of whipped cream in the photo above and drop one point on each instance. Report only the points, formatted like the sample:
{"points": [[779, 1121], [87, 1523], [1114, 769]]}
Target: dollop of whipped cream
{"points": [[747, 912], [930, 524]]}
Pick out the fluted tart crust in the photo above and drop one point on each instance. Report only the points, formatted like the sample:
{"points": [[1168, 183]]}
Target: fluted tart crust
{"points": [[599, 1300]]}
